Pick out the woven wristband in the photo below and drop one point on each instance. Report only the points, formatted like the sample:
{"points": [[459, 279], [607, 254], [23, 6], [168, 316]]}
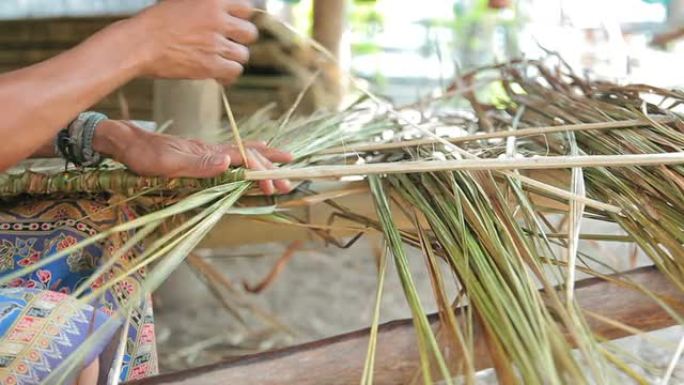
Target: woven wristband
{"points": [[75, 143], [91, 120]]}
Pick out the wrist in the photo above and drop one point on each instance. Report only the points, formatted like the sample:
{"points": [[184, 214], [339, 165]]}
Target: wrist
{"points": [[112, 137]]}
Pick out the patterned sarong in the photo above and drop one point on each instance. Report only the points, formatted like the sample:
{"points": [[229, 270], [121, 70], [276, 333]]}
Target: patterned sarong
{"points": [[41, 324]]}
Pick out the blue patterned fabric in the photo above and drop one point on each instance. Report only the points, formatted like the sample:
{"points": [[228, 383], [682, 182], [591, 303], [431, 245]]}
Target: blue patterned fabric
{"points": [[34, 230], [41, 328]]}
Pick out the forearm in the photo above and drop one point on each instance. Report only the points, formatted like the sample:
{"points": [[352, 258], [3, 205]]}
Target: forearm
{"points": [[46, 150], [36, 102], [181, 39]]}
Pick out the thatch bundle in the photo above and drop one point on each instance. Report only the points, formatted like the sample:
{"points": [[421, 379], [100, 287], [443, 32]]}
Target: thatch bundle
{"points": [[615, 155]]}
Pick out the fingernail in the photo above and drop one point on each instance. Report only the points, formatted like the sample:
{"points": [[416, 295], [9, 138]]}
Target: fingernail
{"points": [[218, 160]]}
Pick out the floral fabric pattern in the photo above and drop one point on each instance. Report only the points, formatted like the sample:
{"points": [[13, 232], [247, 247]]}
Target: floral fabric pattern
{"points": [[31, 232]]}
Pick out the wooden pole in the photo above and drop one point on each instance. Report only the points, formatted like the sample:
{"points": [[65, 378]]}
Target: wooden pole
{"points": [[195, 109], [533, 163], [339, 360], [328, 24], [329, 18]]}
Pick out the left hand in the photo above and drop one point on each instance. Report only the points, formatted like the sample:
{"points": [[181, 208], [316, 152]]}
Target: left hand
{"points": [[152, 154]]}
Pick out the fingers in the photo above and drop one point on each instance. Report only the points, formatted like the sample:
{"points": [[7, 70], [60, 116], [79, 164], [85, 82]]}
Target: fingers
{"points": [[206, 165], [239, 30], [259, 162], [282, 185], [255, 163], [243, 9], [271, 154], [275, 155], [227, 71], [257, 144], [232, 51], [210, 160]]}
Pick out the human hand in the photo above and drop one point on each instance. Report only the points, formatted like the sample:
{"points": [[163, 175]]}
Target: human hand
{"points": [[196, 39], [152, 154]]}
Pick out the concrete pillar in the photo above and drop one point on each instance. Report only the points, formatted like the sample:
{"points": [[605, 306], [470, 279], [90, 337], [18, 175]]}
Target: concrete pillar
{"points": [[193, 105]]}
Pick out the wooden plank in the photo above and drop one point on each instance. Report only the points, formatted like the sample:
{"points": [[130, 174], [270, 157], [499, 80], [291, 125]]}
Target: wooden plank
{"points": [[339, 360]]}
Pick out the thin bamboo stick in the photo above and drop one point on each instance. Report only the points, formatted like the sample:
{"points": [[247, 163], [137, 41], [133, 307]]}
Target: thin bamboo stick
{"points": [[234, 128], [521, 133], [536, 163], [565, 194]]}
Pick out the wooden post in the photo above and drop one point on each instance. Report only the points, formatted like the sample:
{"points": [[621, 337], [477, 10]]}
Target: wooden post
{"points": [[328, 29], [328, 23], [193, 105], [195, 109]]}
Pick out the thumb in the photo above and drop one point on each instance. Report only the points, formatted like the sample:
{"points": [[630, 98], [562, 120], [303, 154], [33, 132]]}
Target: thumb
{"points": [[205, 165]]}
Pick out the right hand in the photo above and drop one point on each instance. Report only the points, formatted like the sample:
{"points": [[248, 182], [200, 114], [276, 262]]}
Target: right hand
{"points": [[197, 39]]}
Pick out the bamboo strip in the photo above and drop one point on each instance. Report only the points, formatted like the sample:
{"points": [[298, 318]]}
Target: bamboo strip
{"points": [[520, 133], [535, 163], [234, 128], [565, 194]]}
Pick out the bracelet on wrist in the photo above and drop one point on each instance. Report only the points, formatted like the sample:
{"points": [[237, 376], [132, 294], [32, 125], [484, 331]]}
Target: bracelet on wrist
{"points": [[75, 143]]}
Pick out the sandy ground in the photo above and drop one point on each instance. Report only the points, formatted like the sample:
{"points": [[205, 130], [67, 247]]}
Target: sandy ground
{"points": [[320, 293]]}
